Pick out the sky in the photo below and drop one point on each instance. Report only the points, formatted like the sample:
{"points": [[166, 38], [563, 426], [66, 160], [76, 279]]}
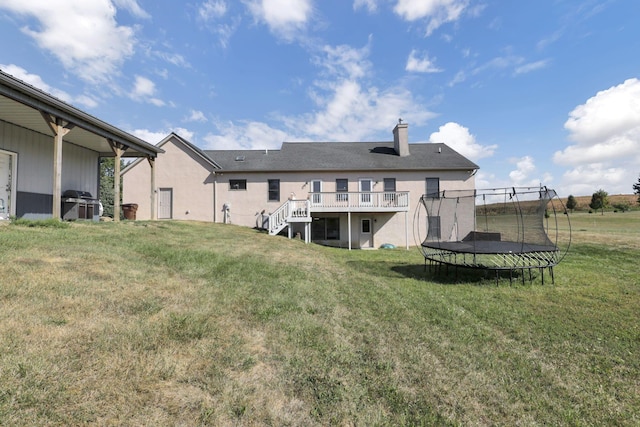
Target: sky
{"points": [[535, 92]]}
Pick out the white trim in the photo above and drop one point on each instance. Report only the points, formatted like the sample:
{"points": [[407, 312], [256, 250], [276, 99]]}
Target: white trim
{"points": [[11, 203]]}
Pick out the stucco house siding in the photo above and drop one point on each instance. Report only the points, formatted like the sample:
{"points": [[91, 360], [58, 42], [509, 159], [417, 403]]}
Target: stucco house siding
{"points": [[188, 176], [295, 190], [246, 205]]}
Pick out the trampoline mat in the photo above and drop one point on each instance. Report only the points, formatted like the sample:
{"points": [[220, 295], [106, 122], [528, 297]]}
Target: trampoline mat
{"points": [[489, 247]]}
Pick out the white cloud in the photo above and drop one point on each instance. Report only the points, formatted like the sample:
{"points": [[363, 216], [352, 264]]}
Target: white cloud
{"points": [[460, 139], [133, 7], [437, 12], [212, 9], [145, 89], [422, 64], [284, 18], [532, 66], [606, 135], [83, 35], [37, 82], [344, 61], [196, 116], [525, 166], [244, 135], [155, 136], [349, 108], [458, 78], [500, 63], [585, 180], [370, 5]]}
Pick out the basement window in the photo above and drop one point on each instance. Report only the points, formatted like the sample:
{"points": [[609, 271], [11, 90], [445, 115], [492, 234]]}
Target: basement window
{"points": [[237, 184]]}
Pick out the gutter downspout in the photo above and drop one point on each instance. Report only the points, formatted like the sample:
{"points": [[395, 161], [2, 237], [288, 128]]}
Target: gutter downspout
{"points": [[215, 195]]}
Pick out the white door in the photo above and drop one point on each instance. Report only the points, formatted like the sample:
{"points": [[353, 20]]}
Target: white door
{"points": [[165, 203], [7, 192], [316, 189], [366, 233], [365, 192]]}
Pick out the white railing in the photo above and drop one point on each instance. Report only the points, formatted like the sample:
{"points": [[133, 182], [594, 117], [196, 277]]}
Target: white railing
{"points": [[382, 201], [290, 211], [300, 210]]}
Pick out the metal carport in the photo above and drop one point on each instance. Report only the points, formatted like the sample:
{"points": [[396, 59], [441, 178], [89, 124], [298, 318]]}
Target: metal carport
{"points": [[33, 109]]}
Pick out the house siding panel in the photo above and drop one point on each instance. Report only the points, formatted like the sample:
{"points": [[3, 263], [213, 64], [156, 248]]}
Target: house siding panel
{"points": [[34, 178]]}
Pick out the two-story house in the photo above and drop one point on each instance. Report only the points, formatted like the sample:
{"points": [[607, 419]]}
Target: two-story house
{"points": [[346, 194]]}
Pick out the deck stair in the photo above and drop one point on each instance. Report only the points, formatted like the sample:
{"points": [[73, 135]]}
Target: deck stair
{"points": [[289, 212]]}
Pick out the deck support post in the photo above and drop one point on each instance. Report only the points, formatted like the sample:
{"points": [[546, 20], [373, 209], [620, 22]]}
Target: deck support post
{"points": [[349, 227]]}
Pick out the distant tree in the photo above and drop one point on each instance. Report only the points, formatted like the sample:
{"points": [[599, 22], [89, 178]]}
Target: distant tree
{"points": [[636, 189], [572, 203], [107, 171], [622, 206], [599, 200]]}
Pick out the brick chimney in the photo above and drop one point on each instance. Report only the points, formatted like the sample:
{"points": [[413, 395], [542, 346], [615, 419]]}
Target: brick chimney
{"points": [[401, 139]]}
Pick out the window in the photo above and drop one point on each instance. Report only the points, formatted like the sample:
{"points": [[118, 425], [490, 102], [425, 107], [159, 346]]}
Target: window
{"points": [[342, 186], [433, 188], [325, 229], [237, 184], [274, 190], [389, 184], [366, 226], [389, 188]]}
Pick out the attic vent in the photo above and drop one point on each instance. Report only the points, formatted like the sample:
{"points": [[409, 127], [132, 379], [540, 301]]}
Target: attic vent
{"points": [[239, 158]]}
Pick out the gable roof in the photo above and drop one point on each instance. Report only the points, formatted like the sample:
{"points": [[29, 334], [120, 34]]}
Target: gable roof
{"points": [[24, 105], [332, 156], [174, 136]]}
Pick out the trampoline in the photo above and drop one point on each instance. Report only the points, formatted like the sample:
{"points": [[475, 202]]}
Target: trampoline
{"points": [[514, 229]]}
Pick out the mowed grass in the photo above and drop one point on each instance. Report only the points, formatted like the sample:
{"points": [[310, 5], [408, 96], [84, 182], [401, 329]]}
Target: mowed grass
{"points": [[171, 323]]}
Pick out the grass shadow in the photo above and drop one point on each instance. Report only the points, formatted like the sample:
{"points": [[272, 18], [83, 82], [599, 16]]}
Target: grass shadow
{"points": [[449, 275]]}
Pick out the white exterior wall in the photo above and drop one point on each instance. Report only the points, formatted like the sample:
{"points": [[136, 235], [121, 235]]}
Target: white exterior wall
{"points": [[33, 179], [35, 162], [182, 170]]}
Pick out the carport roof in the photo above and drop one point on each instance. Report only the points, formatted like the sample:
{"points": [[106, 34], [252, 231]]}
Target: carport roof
{"points": [[24, 105]]}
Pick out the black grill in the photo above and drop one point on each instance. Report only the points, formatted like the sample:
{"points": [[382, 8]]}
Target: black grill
{"points": [[77, 204]]}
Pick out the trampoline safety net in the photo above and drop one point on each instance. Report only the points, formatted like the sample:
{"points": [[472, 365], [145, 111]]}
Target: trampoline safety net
{"points": [[512, 228]]}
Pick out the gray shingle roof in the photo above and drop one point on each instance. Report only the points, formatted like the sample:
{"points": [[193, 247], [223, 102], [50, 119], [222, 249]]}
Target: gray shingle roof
{"points": [[329, 156]]}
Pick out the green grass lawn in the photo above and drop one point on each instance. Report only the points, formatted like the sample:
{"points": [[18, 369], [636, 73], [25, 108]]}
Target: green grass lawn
{"points": [[170, 323]]}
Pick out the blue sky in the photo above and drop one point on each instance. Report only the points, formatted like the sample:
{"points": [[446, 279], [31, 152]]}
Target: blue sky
{"points": [[544, 91]]}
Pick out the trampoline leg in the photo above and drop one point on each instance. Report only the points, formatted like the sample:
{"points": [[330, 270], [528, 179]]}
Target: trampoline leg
{"points": [[553, 279], [542, 273]]}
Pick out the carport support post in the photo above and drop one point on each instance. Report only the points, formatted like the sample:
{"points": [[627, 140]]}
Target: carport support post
{"points": [[118, 150], [59, 129]]}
